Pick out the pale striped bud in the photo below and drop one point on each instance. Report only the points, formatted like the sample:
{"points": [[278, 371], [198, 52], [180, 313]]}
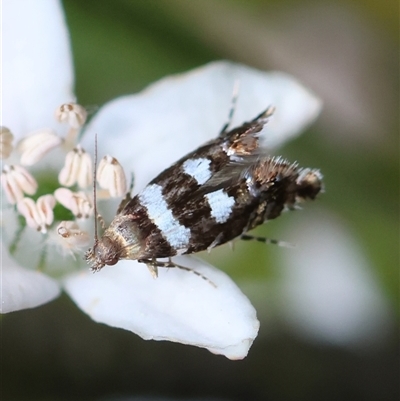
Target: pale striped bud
{"points": [[78, 203], [35, 146], [77, 169], [111, 176], [16, 182], [38, 215], [73, 114], [6, 138]]}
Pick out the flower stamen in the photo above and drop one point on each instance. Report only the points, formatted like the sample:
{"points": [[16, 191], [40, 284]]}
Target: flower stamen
{"points": [[6, 138], [75, 116], [71, 113], [78, 203], [111, 176], [16, 182], [34, 147], [77, 169], [38, 215]]}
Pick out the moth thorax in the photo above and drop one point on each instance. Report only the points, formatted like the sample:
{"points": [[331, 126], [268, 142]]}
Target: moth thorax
{"points": [[106, 251]]}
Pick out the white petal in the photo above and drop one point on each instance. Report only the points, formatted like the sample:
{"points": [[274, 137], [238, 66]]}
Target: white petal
{"points": [[37, 72], [178, 306], [329, 292], [22, 288], [149, 131]]}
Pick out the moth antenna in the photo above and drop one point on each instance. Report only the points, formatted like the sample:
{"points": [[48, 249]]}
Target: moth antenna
{"points": [[96, 239], [268, 112], [265, 240], [235, 95]]}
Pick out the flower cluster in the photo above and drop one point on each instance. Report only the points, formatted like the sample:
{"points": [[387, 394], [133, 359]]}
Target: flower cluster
{"points": [[147, 132], [74, 178]]}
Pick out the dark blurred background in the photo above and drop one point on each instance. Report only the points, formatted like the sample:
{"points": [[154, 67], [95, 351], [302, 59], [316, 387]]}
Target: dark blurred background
{"points": [[327, 333]]}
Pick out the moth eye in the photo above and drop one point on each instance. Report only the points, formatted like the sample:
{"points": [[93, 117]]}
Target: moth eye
{"points": [[112, 261]]}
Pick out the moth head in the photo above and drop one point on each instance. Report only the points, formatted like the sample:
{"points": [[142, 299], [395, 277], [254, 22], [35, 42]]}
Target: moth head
{"points": [[309, 184], [104, 252]]}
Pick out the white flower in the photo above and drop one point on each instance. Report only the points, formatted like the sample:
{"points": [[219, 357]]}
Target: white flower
{"points": [[146, 132]]}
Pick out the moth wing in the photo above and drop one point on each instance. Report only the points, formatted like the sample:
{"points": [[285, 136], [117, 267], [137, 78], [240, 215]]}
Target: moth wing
{"points": [[231, 174]]}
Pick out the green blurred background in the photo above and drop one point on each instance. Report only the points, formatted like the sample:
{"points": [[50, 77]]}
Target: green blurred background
{"points": [[345, 51]]}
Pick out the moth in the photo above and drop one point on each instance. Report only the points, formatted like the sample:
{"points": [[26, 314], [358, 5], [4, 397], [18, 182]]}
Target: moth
{"points": [[217, 193]]}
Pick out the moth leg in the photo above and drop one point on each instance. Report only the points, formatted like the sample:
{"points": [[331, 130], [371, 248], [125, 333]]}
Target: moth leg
{"points": [[153, 264], [127, 197], [153, 270], [215, 243], [188, 269], [264, 240], [235, 94]]}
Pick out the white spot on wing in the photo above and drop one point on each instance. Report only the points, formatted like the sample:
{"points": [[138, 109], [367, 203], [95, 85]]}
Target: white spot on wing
{"points": [[199, 169], [221, 205], [157, 209]]}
